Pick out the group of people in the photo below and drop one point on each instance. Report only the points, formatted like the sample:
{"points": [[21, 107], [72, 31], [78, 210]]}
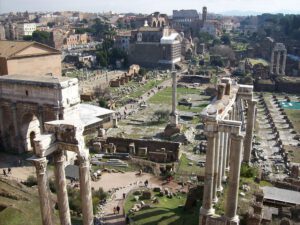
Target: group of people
{"points": [[8, 171], [117, 210]]}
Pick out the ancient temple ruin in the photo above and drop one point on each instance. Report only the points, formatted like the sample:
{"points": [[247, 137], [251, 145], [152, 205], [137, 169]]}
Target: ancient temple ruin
{"points": [[279, 51], [229, 137]]}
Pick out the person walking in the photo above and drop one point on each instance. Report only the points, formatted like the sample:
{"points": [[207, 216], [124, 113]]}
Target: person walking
{"points": [[115, 210], [118, 209]]}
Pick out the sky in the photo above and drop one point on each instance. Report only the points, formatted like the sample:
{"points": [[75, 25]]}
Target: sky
{"points": [[146, 6]]}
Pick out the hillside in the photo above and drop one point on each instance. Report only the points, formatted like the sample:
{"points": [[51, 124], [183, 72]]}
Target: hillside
{"points": [[19, 205]]}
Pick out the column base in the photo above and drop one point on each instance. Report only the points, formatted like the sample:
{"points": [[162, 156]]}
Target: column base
{"points": [[207, 212], [215, 200], [224, 179], [234, 220], [220, 189]]}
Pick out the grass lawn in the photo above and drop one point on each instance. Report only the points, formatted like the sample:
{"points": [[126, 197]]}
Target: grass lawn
{"points": [[185, 169], [166, 212], [294, 116], [165, 96]]}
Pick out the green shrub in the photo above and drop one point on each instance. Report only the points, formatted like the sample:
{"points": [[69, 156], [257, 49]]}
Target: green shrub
{"points": [[247, 171], [31, 181]]}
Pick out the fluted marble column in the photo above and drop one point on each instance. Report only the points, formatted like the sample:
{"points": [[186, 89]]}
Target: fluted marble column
{"points": [[85, 190], [207, 204], [42, 181], [62, 194], [234, 178], [249, 130], [220, 167], [216, 168]]}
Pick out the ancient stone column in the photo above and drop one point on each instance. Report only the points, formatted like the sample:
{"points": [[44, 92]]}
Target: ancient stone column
{"points": [[278, 63], [174, 116], [207, 204], [272, 63], [42, 181], [85, 190], [249, 130], [216, 168], [220, 166], [62, 194], [228, 152], [234, 178], [225, 152], [283, 63]]}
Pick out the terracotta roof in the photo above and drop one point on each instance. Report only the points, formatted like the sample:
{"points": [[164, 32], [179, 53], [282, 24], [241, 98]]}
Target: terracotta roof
{"points": [[10, 48]]}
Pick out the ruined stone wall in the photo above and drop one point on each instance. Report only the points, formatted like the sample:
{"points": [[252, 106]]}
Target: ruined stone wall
{"points": [[171, 148], [195, 79]]}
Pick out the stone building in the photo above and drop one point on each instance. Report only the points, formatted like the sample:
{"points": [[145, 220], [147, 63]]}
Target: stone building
{"points": [[188, 21], [27, 102], [26, 29], [28, 58], [57, 37], [155, 47], [122, 40], [73, 40]]}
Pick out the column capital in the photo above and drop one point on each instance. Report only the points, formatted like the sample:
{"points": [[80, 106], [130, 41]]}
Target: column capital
{"points": [[40, 165]]}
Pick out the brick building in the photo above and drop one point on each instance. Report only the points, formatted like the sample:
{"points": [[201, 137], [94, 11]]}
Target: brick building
{"points": [[155, 47], [28, 58]]}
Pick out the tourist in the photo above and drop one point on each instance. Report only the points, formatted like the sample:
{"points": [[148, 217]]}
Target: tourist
{"points": [[9, 170], [4, 172], [115, 210], [146, 183], [118, 209], [124, 195]]}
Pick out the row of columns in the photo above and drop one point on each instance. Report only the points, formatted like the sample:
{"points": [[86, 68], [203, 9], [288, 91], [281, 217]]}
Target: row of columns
{"points": [[225, 153], [62, 195], [216, 165], [280, 63]]}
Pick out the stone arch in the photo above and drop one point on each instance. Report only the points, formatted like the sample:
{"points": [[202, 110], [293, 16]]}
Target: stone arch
{"points": [[158, 24], [30, 129], [162, 23], [154, 24]]}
